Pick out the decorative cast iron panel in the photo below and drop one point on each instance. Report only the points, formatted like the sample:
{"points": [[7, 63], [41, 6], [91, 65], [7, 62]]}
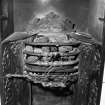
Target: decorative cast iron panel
{"points": [[50, 68]]}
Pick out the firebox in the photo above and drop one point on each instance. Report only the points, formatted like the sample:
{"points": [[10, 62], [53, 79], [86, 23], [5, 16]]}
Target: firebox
{"points": [[49, 59]]}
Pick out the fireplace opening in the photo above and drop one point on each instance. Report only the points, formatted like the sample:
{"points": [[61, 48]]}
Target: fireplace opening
{"points": [[52, 56]]}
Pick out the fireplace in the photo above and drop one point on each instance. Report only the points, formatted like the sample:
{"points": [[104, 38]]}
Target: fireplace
{"points": [[54, 60]]}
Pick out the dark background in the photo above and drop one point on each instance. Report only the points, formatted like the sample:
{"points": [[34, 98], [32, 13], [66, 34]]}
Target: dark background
{"points": [[76, 10]]}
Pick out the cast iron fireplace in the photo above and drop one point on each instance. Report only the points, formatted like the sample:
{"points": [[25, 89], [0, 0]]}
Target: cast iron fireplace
{"points": [[50, 58]]}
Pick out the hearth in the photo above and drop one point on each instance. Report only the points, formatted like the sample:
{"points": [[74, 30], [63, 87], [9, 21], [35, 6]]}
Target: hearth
{"points": [[51, 62], [51, 72]]}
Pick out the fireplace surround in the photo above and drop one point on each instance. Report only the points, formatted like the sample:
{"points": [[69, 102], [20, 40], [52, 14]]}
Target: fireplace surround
{"points": [[51, 63], [51, 68]]}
